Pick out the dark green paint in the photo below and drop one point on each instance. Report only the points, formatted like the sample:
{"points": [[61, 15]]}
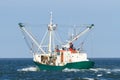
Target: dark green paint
{"points": [[75, 65]]}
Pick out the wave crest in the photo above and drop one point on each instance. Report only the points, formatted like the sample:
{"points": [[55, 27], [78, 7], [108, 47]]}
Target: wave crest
{"points": [[70, 70], [28, 69]]}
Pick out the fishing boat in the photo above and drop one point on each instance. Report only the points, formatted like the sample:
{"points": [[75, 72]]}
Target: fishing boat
{"points": [[58, 57]]}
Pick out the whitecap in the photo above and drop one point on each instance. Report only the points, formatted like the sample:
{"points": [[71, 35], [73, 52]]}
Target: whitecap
{"points": [[94, 69], [68, 79], [99, 75], [116, 70], [70, 70], [28, 69], [102, 69], [108, 72], [89, 78], [99, 69]]}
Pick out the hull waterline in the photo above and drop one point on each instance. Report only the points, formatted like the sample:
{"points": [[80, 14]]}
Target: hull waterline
{"points": [[75, 65]]}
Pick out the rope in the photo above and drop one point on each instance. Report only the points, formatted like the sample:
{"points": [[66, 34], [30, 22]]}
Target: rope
{"points": [[26, 41]]}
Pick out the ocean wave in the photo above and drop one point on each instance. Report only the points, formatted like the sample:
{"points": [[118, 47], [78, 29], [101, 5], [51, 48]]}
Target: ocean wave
{"points": [[91, 69], [70, 70], [32, 68], [88, 79], [99, 75], [28, 69], [105, 70], [80, 78], [115, 70], [99, 69], [84, 70]]}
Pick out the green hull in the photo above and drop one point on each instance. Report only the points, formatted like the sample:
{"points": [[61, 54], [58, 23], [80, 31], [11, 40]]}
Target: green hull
{"points": [[75, 65]]}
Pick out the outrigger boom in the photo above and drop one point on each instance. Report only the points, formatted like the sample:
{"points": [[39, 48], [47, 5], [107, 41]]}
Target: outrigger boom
{"points": [[30, 36], [79, 35]]}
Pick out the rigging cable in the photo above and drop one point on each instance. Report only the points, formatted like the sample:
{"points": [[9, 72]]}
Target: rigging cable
{"points": [[31, 50]]}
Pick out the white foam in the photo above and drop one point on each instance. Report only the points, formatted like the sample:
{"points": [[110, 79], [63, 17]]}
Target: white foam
{"points": [[108, 71], [116, 70], [70, 70], [99, 75], [89, 78], [92, 69], [28, 69], [100, 69], [95, 70]]}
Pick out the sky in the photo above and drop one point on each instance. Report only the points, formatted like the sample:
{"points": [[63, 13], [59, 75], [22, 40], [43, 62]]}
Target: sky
{"points": [[104, 14]]}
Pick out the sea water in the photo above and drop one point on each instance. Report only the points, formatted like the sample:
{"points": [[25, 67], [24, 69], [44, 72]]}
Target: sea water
{"points": [[25, 69]]}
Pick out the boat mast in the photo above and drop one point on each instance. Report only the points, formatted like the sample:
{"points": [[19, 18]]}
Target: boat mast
{"points": [[51, 28]]}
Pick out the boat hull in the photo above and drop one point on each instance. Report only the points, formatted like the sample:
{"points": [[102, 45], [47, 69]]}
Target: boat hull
{"points": [[80, 65], [74, 65]]}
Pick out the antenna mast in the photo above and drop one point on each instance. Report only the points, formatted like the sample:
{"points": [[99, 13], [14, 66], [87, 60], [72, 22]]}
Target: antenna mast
{"points": [[50, 29], [51, 19]]}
